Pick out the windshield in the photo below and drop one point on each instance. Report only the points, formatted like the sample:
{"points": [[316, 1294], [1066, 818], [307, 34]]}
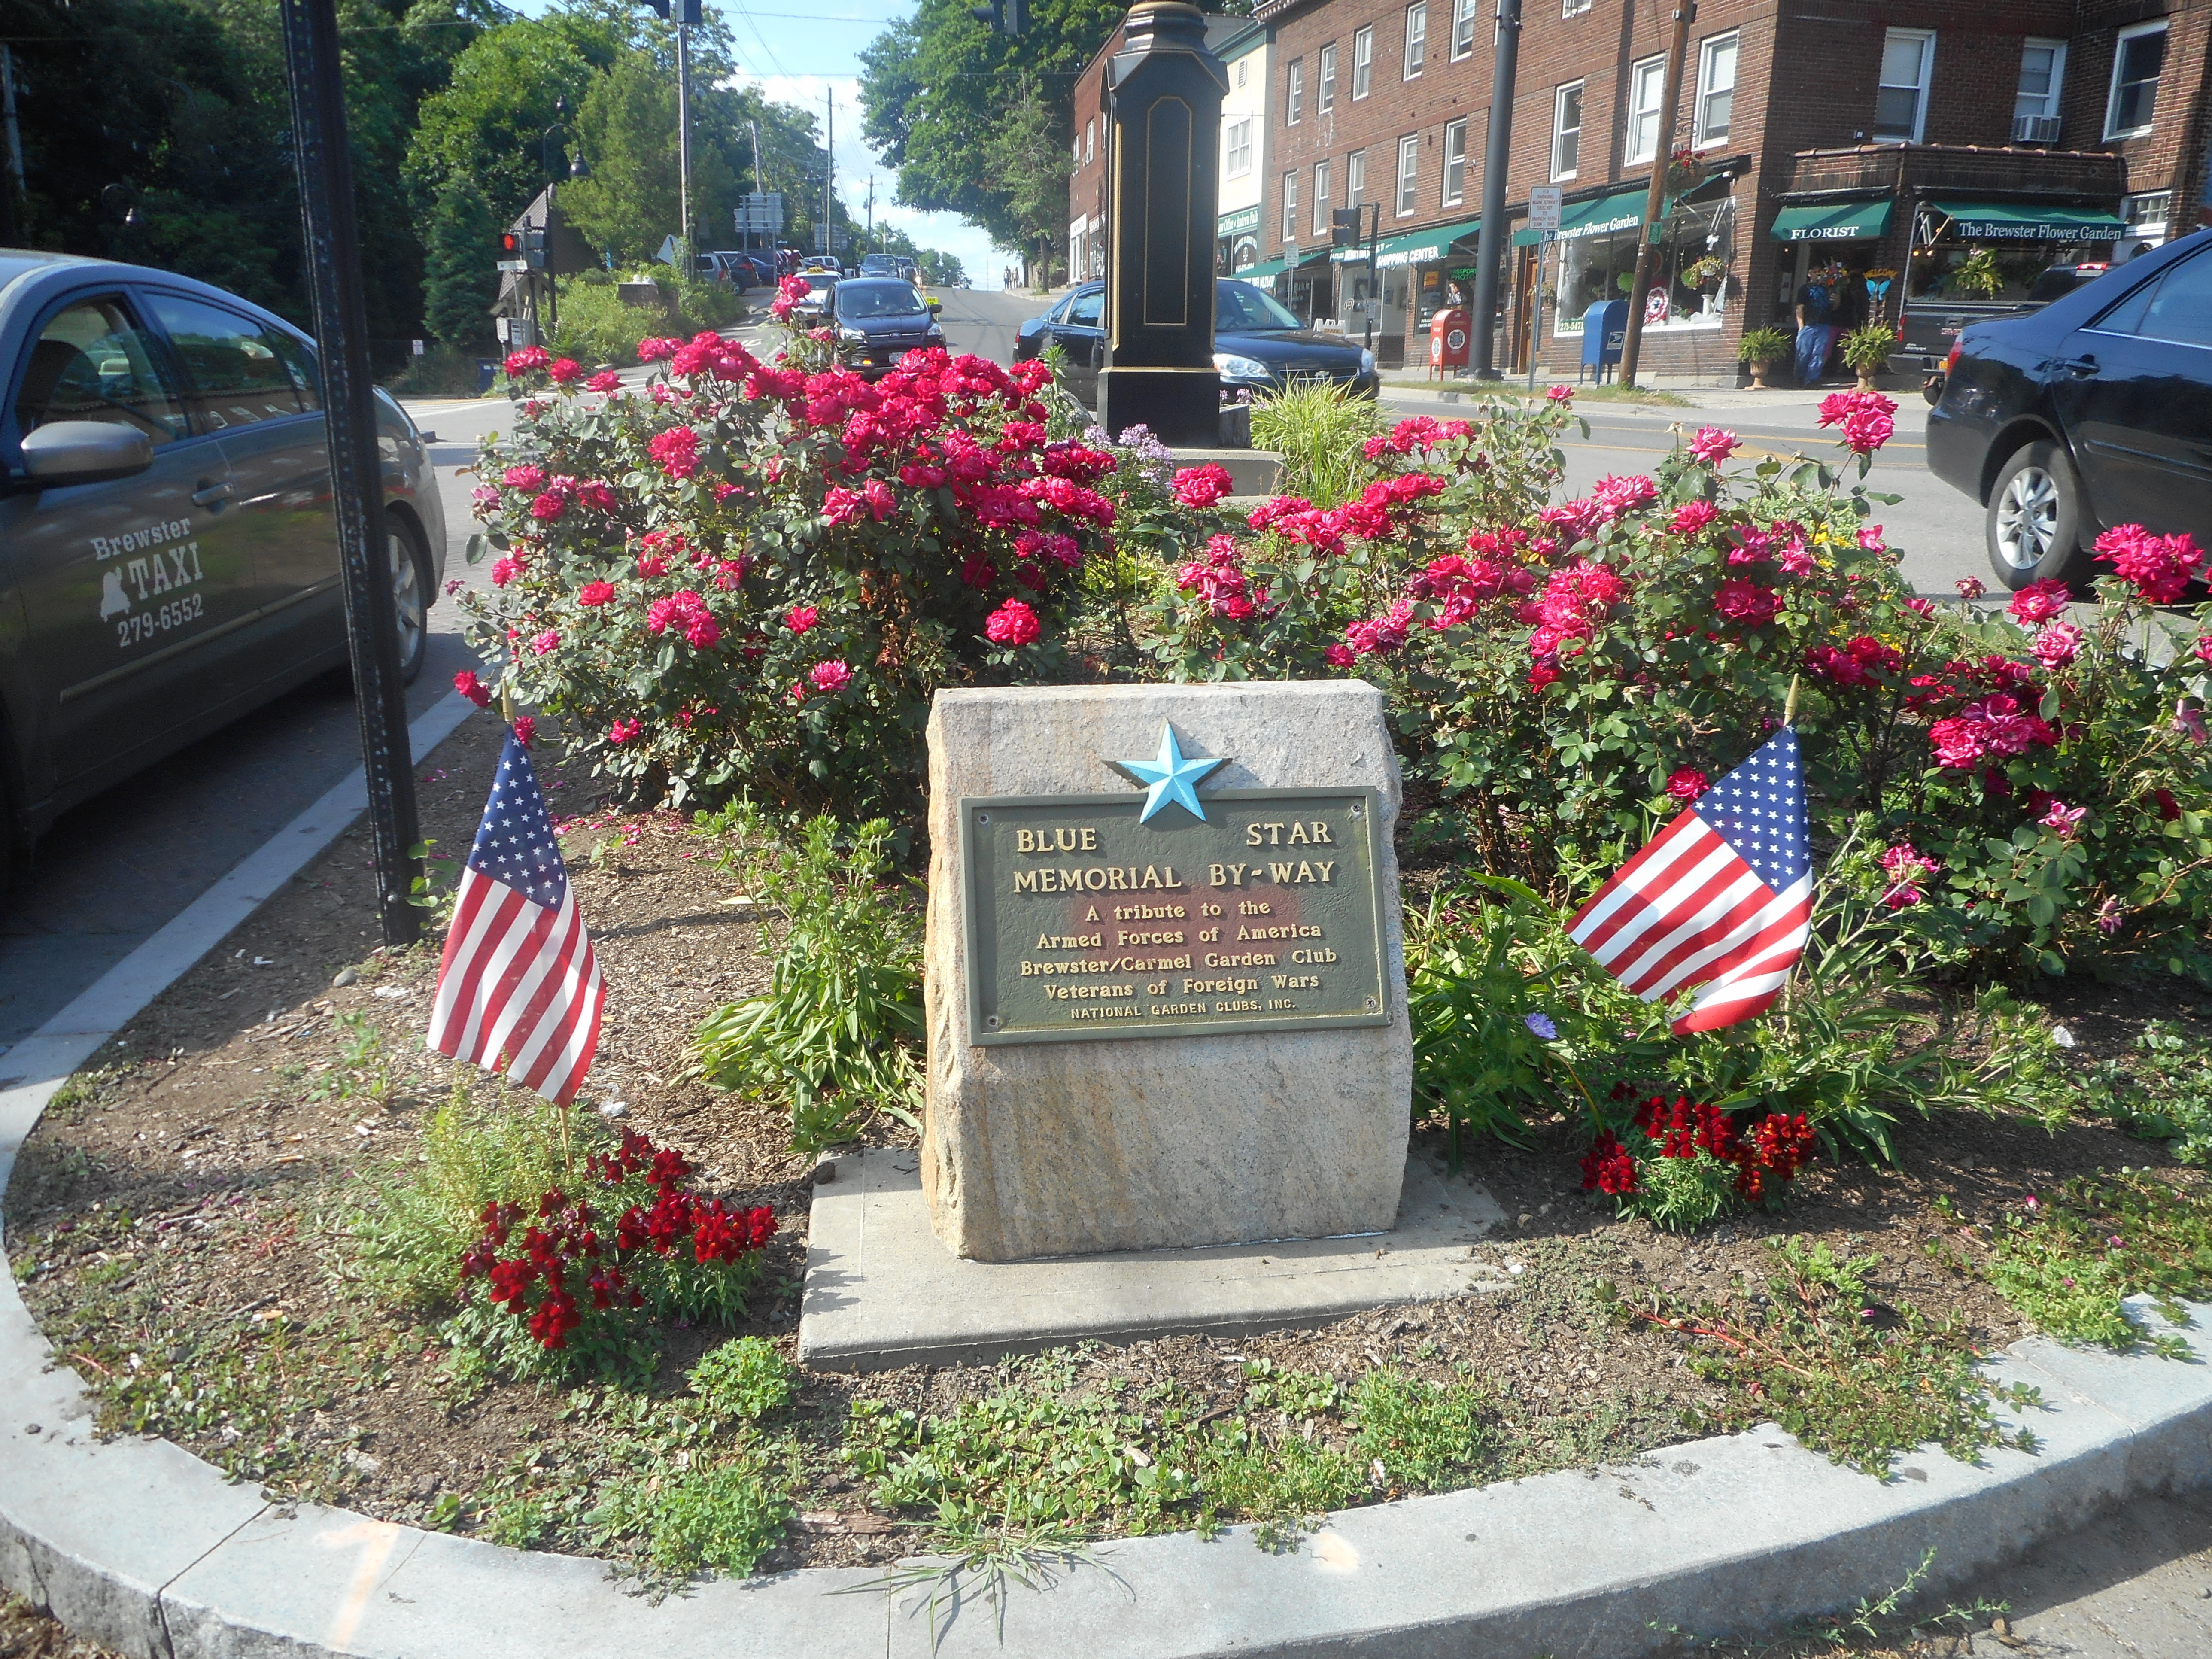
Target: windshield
{"points": [[1240, 309], [876, 265], [820, 280], [879, 298]]}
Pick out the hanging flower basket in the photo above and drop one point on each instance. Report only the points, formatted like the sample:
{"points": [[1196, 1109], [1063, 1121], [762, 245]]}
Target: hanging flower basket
{"points": [[1686, 171]]}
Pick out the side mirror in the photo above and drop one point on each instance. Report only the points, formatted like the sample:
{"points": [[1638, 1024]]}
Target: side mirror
{"points": [[935, 303], [85, 452]]}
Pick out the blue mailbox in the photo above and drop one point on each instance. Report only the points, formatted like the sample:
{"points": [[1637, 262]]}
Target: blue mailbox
{"points": [[1604, 328]]}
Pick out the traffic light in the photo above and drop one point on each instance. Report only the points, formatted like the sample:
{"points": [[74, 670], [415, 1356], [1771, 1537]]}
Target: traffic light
{"points": [[1344, 227], [686, 11], [1009, 17], [511, 244]]}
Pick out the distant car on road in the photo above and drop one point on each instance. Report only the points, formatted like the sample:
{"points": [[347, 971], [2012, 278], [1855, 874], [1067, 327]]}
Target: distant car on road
{"points": [[168, 554], [880, 320], [880, 264], [1258, 345], [1932, 326], [2094, 411], [821, 286]]}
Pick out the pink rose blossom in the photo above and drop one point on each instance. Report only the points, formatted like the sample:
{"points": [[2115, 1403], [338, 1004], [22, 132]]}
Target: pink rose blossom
{"points": [[562, 370], [505, 570], [549, 507], [548, 641], [623, 730], [1870, 539], [1970, 587], [1560, 394], [676, 450], [2039, 602], [525, 729], [1686, 783], [1013, 624], [1201, 487], [831, 675], [2057, 644], [595, 593], [1691, 517], [527, 479], [607, 381], [1712, 445], [800, 618], [1747, 602], [1340, 656], [473, 689], [2066, 820]]}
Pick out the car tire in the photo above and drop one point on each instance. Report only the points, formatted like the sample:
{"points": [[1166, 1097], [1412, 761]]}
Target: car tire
{"points": [[413, 589], [2033, 524]]}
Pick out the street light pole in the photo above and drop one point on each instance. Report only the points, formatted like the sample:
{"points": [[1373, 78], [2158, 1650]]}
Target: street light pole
{"points": [[1655, 198], [333, 250], [1497, 155]]}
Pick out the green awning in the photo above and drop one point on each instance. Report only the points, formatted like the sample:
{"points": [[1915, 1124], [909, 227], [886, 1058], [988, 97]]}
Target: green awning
{"points": [[1260, 272], [2029, 222], [1411, 248], [1833, 221], [1607, 215]]}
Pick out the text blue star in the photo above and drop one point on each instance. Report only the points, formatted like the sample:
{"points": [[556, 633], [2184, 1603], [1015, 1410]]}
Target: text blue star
{"points": [[1170, 777]]}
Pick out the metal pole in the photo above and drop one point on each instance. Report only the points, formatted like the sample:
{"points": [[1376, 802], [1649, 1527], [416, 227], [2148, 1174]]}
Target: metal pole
{"points": [[683, 134], [1536, 317], [15, 186], [1655, 198], [1373, 306], [333, 250], [828, 181], [1498, 155]]}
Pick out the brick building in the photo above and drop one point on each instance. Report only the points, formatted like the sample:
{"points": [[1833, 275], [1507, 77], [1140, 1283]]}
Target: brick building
{"points": [[1912, 135]]}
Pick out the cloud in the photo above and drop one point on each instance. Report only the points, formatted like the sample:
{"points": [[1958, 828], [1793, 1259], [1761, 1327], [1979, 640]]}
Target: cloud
{"points": [[853, 161]]}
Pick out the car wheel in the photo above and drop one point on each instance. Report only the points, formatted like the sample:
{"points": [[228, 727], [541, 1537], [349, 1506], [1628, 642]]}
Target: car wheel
{"points": [[2034, 518], [412, 587]]}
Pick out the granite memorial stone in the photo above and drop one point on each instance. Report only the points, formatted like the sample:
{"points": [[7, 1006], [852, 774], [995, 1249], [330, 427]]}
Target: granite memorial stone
{"points": [[1165, 979]]}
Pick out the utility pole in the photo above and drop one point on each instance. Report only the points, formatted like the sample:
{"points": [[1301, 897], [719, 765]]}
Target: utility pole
{"points": [[1498, 155], [828, 182], [872, 213], [683, 132], [1655, 198], [333, 250]]}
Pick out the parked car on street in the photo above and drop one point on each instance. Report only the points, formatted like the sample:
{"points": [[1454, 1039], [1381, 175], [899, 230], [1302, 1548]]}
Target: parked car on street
{"points": [[1258, 345], [2094, 411], [880, 320], [168, 552]]}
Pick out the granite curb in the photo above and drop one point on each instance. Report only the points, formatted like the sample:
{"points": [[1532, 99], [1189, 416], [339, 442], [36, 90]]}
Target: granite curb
{"points": [[139, 1545]]}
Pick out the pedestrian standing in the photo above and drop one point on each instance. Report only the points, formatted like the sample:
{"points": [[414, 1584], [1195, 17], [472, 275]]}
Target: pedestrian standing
{"points": [[1816, 311]]}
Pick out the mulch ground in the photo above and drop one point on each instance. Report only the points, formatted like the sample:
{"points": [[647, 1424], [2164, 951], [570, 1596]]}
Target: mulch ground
{"points": [[191, 1188]]}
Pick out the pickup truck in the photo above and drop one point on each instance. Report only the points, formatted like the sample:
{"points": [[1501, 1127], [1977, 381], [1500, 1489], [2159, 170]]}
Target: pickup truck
{"points": [[1933, 322]]}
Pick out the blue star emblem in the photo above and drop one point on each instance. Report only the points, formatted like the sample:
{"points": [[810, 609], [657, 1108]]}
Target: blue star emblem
{"points": [[1169, 777]]}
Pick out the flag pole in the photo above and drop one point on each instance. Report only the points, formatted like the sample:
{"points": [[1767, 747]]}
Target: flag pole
{"points": [[1790, 704]]}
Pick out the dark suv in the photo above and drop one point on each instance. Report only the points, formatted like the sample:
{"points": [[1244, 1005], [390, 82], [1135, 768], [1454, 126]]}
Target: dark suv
{"points": [[2094, 412], [168, 554]]}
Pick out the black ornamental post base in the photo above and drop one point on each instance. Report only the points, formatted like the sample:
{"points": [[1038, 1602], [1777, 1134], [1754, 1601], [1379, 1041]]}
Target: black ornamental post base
{"points": [[1180, 407], [1164, 134]]}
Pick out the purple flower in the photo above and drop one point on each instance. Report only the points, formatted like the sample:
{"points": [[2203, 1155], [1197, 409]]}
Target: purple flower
{"points": [[1542, 1026]]}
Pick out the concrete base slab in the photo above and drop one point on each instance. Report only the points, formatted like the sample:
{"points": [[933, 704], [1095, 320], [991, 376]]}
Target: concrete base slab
{"points": [[883, 1292]]}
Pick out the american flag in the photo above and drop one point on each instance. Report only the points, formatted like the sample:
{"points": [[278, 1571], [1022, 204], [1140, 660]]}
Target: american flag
{"points": [[519, 979], [1722, 899]]}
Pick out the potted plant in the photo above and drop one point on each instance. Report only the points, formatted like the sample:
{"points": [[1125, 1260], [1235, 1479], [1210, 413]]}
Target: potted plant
{"points": [[1685, 171], [1760, 347], [1866, 350], [1704, 275]]}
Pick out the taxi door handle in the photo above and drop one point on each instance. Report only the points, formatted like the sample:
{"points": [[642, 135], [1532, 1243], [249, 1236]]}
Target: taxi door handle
{"points": [[208, 493]]}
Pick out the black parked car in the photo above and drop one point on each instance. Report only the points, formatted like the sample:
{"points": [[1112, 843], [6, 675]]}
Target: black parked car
{"points": [[1258, 346], [168, 556], [1932, 325], [2094, 412], [880, 320]]}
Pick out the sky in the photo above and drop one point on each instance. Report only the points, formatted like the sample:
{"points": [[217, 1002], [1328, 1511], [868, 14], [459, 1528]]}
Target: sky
{"points": [[801, 57]]}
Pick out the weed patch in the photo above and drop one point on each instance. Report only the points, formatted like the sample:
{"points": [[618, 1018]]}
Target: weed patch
{"points": [[2068, 1256]]}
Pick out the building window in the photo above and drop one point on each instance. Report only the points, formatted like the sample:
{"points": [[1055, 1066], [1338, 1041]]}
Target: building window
{"points": [[1325, 87], [1900, 106], [2148, 214], [1322, 200], [1409, 170], [1239, 142], [1573, 7], [1362, 62], [1716, 88], [2135, 66], [1645, 82], [1417, 38], [1463, 28], [1294, 96], [1567, 130], [1240, 65], [1355, 178], [1290, 206], [1090, 140], [2042, 72], [1455, 163]]}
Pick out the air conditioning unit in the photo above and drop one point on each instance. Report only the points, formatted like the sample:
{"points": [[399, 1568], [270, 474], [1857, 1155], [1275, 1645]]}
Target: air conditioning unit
{"points": [[2035, 129]]}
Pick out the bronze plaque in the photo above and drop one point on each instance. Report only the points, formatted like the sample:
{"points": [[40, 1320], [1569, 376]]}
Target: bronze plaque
{"points": [[1084, 922]]}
